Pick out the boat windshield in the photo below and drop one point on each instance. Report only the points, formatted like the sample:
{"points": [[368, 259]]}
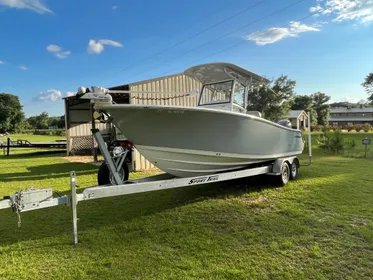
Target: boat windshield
{"points": [[239, 94], [216, 93]]}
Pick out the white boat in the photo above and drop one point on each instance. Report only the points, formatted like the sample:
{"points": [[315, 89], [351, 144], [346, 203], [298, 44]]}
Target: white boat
{"points": [[215, 136]]}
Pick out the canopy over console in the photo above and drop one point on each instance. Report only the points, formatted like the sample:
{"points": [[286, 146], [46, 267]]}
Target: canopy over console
{"points": [[221, 71], [225, 86]]}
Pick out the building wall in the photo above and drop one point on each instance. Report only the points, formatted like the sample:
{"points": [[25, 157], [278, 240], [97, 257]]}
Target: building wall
{"points": [[78, 128], [176, 83], [346, 123], [299, 122]]}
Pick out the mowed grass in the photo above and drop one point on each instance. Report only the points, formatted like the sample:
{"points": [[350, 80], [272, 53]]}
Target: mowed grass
{"points": [[33, 138], [316, 227]]}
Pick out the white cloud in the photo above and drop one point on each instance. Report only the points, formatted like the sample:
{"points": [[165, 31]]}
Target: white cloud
{"points": [[63, 55], [49, 95], [34, 5], [316, 9], [359, 10], [115, 7], [57, 51], [275, 34], [23, 67], [1, 62], [98, 46], [52, 95], [53, 48], [69, 93]]}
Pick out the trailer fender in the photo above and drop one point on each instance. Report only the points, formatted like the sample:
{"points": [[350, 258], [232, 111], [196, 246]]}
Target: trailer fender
{"points": [[276, 169]]}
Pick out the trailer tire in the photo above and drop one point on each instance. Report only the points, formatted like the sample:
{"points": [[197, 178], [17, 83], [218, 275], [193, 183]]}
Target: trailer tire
{"points": [[293, 170], [103, 175], [284, 177]]}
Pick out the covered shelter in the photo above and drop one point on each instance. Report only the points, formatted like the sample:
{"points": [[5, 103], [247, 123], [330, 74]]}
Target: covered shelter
{"points": [[298, 119]]}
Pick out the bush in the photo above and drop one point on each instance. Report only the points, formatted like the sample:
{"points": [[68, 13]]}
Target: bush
{"points": [[315, 127], [350, 128], [367, 127], [358, 127], [331, 141], [55, 132]]}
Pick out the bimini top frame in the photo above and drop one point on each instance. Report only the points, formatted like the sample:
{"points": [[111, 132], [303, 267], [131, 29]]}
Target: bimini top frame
{"points": [[210, 73]]}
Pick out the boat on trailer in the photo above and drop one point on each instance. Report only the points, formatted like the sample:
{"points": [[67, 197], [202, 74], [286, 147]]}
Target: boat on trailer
{"points": [[217, 135], [283, 164]]}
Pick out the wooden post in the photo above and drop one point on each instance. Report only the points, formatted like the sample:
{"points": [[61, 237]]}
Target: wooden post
{"points": [[8, 147], [93, 123]]}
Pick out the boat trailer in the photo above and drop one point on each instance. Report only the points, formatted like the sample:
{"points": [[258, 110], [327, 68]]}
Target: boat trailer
{"points": [[284, 169]]}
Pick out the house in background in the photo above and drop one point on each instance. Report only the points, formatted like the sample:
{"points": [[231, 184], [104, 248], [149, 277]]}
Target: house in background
{"points": [[350, 116], [298, 119]]}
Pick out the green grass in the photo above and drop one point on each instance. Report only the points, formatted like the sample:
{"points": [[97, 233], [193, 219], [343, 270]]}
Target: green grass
{"points": [[316, 227], [33, 138]]}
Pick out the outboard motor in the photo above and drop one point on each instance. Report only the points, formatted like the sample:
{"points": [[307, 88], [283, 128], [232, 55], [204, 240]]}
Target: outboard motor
{"points": [[285, 123]]}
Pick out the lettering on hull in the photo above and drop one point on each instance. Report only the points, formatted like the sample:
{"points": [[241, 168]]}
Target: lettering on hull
{"points": [[206, 179]]}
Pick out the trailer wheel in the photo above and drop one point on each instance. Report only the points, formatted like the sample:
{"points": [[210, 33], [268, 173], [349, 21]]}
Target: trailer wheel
{"points": [[104, 176], [293, 170], [284, 177]]}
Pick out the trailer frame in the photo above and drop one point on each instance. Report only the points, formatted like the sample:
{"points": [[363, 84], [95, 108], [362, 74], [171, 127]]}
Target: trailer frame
{"points": [[35, 199]]}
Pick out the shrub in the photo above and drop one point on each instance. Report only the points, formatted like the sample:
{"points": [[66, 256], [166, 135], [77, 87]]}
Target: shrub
{"points": [[55, 132], [358, 127], [315, 127], [367, 127], [331, 141], [350, 128], [337, 142]]}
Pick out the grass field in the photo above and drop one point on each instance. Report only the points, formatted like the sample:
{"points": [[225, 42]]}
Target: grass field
{"points": [[317, 227], [33, 138]]}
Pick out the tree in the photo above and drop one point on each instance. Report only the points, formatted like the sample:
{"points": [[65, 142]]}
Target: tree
{"points": [[321, 107], [61, 122], [275, 101], [43, 121], [11, 113], [368, 85], [305, 102]]}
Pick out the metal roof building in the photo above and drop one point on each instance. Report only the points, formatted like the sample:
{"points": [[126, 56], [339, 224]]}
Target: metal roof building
{"points": [[350, 116], [79, 112]]}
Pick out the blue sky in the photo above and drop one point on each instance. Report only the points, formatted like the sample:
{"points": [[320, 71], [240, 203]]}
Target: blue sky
{"points": [[49, 48]]}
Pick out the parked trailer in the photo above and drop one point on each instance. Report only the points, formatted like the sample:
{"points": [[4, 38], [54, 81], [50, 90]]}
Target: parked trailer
{"points": [[284, 169], [34, 199]]}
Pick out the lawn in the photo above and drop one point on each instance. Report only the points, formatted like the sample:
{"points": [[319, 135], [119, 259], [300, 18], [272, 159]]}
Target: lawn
{"points": [[33, 138], [317, 227]]}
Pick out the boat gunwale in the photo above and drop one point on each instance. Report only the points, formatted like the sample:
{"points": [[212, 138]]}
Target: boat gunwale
{"points": [[103, 106]]}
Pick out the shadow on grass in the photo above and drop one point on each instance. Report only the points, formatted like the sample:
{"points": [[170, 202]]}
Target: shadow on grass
{"points": [[24, 153], [108, 212], [41, 172]]}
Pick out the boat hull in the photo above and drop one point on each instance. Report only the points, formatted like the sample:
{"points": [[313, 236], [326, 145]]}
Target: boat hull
{"points": [[193, 141]]}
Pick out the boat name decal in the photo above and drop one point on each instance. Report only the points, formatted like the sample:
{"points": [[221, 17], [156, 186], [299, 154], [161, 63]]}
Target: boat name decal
{"points": [[204, 179]]}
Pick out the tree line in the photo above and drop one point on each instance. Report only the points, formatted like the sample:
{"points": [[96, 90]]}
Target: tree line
{"points": [[12, 117], [276, 101]]}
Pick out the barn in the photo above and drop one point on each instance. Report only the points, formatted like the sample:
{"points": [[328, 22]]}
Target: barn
{"points": [[79, 112]]}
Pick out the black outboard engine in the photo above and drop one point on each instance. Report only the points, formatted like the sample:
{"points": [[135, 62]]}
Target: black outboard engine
{"points": [[285, 123]]}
